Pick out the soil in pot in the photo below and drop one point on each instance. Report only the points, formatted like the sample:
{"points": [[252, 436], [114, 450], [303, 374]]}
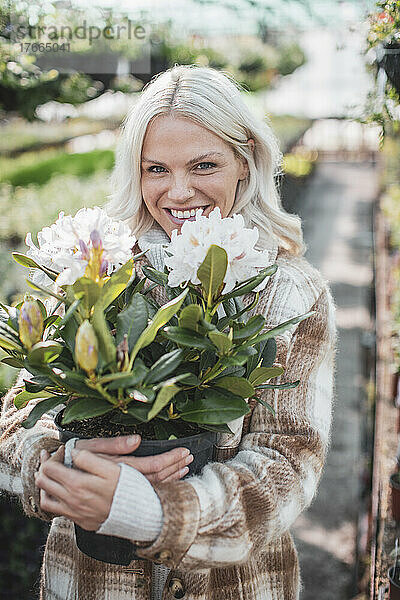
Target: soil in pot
{"points": [[394, 583], [112, 549]]}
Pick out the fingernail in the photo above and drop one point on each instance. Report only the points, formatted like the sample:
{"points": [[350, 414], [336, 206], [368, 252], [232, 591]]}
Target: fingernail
{"points": [[185, 452], [189, 459], [183, 471], [132, 439]]}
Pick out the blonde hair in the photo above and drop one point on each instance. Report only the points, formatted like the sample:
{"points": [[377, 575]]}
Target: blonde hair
{"points": [[213, 100]]}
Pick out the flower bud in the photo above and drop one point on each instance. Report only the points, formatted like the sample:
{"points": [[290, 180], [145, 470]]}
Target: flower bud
{"points": [[30, 321], [86, 347]]}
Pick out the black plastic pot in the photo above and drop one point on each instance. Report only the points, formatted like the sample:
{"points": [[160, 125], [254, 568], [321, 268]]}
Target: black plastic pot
{"points": [[394, 585], [391, 63], [120, 551]]}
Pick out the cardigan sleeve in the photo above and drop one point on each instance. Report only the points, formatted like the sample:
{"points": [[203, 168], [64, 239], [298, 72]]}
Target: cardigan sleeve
{"points": [[20, 449], [232, 510]]}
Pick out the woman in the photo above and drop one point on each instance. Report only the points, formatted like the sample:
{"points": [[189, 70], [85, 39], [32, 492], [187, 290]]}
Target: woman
{"points": [[191, 142]]}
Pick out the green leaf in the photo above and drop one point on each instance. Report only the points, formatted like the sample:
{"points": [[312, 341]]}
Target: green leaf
{"points": [[46, 291], [156, 276], [221, 341], [69, 314], [240, 358], [187, 337], [132, 321], [9, 344], [74, 382], [22, 399], [264, 403], [252, 327], [68, 333], [103, 333], [129, 378], [51, 320], [263, 374], [12, 362], [162, 316], [37, 384], [25, 261], [88, 291], [212, 271], [237, 385], [190, 316], [164, 397], [137, 411], [279, 386], [216, 407], [86, 408], [116, 284], [278, 329], [269, 353], [164, 366], [40, 409], [44, 352], [234, 316], [248, 286]]}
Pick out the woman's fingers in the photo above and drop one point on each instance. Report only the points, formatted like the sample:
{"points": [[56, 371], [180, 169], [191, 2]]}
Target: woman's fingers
{"points": [[176, 471], [123, 444], [93, 464], [51, 487], [158, 462]]}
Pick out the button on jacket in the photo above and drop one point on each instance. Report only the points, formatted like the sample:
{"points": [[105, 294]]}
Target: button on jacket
{"points": [[226, 532]]}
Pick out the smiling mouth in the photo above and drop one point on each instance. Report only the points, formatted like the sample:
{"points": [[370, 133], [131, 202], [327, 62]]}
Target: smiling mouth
{"points": [[180, 216]]}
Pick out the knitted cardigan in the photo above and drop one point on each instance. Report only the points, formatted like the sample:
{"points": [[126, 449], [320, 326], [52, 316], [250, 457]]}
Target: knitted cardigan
{"points": [[225, 532]]}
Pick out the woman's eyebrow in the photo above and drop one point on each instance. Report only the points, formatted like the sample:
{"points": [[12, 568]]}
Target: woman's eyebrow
{"points": [[191, 162]]}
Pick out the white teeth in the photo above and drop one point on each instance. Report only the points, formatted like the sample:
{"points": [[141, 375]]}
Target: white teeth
{"points": [[186, 214]]}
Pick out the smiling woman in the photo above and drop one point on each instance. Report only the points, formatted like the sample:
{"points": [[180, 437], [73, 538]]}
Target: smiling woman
{"points": [[189, 145], [179, 181]]}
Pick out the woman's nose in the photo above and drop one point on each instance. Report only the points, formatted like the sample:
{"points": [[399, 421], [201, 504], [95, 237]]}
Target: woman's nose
{"points": [[180, 190]]}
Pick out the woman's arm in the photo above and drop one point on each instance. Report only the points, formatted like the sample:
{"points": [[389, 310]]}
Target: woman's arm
{"points": [[235, 509], [20, 449]]}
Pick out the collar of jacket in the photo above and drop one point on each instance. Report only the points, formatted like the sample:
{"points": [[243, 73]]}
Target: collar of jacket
{"points": [[155, 240]]}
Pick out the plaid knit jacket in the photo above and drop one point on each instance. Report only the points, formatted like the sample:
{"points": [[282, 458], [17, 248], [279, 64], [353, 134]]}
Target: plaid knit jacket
{"points": [[226, 532]]}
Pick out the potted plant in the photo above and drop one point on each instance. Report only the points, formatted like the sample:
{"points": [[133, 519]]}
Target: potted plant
{"points": [[394, 574], [118, 363]]}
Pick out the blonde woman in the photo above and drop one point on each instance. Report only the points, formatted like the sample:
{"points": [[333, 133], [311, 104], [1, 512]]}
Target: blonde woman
{"points": [[191, 142]]}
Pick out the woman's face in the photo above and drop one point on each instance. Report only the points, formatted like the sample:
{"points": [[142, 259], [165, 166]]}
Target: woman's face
{"points": [[186, 167]]}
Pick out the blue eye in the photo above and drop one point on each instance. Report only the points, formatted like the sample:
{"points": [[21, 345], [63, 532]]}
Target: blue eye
{"points": [[150, 169], [207, 163]]}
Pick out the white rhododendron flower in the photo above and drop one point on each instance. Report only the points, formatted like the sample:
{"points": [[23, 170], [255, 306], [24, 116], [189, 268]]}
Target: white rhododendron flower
{"points": [[189, 248], [90, 244]]}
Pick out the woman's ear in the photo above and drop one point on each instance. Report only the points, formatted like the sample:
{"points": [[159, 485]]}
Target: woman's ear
{"points": [[251, 143]]}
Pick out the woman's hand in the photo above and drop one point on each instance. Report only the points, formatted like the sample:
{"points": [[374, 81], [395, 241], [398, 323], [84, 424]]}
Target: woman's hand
{"points": [[161, 467], [83, 494]]}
